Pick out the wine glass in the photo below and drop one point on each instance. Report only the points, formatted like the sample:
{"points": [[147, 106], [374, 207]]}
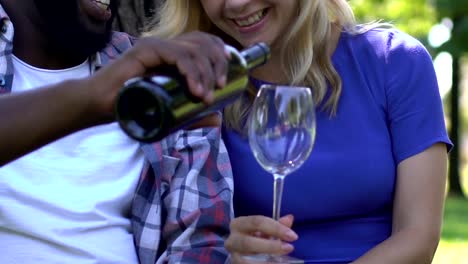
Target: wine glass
{"points": [[281, 131]]}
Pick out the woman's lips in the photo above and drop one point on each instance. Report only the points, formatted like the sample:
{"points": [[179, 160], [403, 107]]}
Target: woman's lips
{"points": [[97, 9], [252, 23]]}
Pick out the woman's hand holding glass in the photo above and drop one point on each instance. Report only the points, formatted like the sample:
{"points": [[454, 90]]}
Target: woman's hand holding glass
{"points": [[252, 235]]}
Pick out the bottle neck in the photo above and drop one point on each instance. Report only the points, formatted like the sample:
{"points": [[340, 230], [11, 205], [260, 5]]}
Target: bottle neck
{"points": [[256, 55]]}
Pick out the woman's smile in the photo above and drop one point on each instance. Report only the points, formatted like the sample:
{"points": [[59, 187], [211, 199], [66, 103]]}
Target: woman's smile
{"points": [[252, 23]]}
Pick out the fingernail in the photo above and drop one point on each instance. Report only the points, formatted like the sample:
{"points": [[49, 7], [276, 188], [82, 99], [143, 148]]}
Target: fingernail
{"points": [[199, 88], [209, 97], [285, 247], [222, 81], [291, 235]]}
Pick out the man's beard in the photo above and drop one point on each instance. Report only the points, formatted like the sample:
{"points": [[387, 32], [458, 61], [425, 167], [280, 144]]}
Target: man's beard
{"points": [[68, 32]]}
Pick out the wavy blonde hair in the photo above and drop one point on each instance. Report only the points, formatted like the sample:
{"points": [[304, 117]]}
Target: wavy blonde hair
{"points": [[301, 52]]}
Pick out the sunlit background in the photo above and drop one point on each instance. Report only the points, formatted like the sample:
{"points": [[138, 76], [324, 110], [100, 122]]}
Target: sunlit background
{"points": [[442, 26]]}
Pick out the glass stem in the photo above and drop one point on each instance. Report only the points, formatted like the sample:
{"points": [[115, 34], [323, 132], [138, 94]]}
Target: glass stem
{"points": [[277, 195]]}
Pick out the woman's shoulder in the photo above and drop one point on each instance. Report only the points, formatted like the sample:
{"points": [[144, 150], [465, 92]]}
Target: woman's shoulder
{"points": [[384, 45], [387, 42]]}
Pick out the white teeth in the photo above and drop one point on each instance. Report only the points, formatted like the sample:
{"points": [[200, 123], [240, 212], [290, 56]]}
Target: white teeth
{"points": [[103, 4], [251, 19]]}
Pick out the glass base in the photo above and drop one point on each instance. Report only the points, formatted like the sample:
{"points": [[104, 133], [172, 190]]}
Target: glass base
{"points": [[270, 259]]}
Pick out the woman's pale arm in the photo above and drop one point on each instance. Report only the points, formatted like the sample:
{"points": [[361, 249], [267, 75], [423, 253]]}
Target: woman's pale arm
{"points": [[418, 210]]}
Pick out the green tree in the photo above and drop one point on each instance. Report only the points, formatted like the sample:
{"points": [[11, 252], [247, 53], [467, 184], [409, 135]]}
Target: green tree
{"points": [[415, 17], [457, 11]]}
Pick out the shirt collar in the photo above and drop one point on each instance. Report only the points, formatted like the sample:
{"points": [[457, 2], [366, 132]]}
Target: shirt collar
{"points": [[3, 14], [6, 27]]}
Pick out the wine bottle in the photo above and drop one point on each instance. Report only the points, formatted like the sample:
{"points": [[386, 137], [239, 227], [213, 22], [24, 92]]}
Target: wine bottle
{"points": [[150, 108]]}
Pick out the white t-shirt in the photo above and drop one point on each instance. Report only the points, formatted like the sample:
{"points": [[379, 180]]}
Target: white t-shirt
{"points": [[69, 201]]}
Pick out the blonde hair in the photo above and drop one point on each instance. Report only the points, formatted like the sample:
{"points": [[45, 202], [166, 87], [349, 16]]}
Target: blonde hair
{"points": [[302, 50]]}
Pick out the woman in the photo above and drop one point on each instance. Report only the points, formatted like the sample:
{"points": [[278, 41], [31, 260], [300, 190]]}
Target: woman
{"points": [[372, 190]]}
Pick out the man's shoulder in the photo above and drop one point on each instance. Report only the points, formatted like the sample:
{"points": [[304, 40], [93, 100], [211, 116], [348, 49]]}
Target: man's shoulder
{"points": [[118, 44]]}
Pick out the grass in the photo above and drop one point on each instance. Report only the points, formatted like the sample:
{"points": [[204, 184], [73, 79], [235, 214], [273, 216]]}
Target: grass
{"points": [[453, 247]]}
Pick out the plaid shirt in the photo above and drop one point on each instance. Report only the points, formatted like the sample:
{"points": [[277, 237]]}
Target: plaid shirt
{"points": [[182, 207]]}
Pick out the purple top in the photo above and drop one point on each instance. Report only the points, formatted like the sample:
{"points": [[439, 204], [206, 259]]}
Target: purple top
{"points": [[342, 196]]}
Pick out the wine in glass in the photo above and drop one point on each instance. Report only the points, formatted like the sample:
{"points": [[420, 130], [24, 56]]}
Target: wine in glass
{"points": [[281, 131]]}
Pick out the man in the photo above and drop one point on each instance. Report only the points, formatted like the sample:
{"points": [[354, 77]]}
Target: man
{"points": [[89, 196]]}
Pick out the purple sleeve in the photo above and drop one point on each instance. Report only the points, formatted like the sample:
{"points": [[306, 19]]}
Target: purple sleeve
{"points": [[415, 112]]}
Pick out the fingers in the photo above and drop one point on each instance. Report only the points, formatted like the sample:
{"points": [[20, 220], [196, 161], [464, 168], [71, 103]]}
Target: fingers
{"points": [[199, 57], [264, 225], [152, 52], [249, 245], [201, 72], [252, 235], [213, 48], [211, 57], [287, 220], [220, 65]]}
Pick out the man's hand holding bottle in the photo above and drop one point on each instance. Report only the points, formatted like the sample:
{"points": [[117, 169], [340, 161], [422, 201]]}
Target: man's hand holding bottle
{"points": [[58, 110], [200, 57]]}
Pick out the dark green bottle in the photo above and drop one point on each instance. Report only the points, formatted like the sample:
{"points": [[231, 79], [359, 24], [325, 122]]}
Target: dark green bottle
{"points": [[150, 108]]}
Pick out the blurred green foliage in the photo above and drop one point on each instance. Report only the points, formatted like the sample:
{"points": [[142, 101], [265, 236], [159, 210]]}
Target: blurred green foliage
{"points": [[415, 17], [451, 8], [457, 11], [452, 247]]}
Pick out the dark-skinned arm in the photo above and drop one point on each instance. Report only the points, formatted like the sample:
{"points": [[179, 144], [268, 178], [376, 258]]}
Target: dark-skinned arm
{"points": [[34, 118]]}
